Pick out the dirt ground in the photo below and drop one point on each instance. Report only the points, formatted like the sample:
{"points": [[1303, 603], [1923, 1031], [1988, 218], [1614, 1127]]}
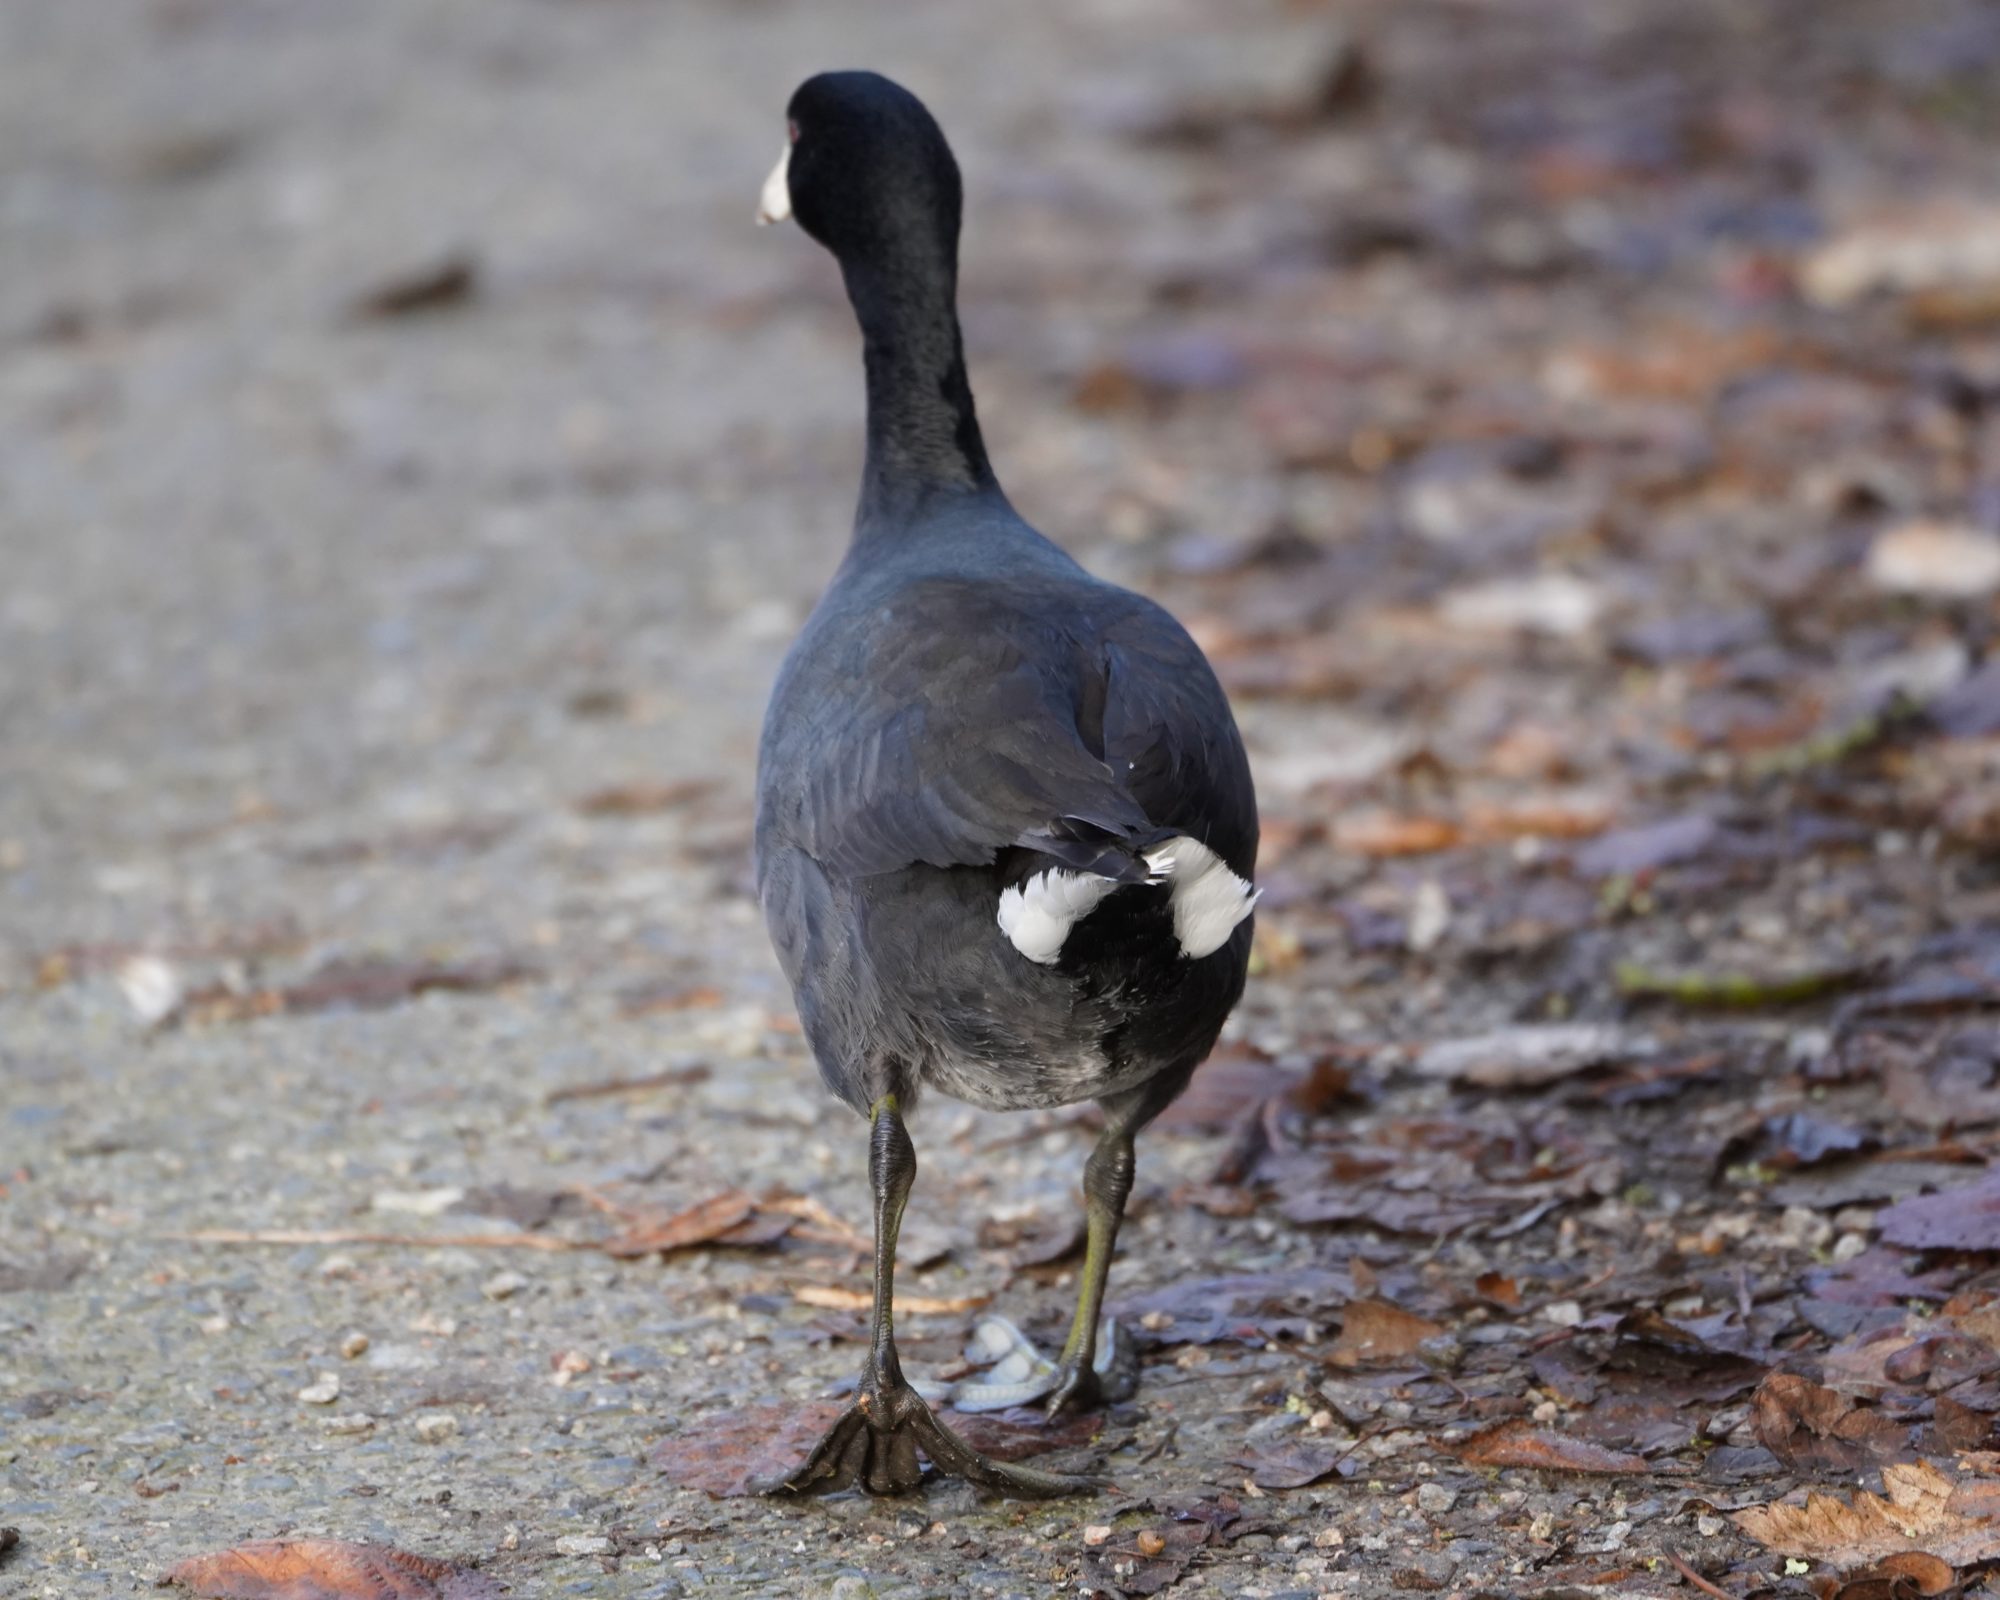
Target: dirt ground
{"points": [[1574, 430]]}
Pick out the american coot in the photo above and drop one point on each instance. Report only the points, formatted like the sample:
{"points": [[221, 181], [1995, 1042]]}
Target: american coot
{"points": [[1005, 827]]}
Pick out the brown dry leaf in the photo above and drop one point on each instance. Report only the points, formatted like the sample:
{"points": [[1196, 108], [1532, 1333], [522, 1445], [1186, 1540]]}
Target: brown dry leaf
{"points": [[1804, 1424], [1516, 1443], [1498, 1288], [449, 280], [1955, 1521], [1379, 1333], [643, 799], [1900, 1577], [327, 1569], [355, 986], [704, 1223], [831, 1297], [658, 999], [1383, 833]]}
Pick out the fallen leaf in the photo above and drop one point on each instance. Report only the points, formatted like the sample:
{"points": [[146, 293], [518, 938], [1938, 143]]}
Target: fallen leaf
{"points": [[643, 799], [1632, 851], [732, 1453], [1554, 603], [1148, 1567], [1965, 1218], [431, 286], [712, 1221], [1948, 560], [1972, 709], [1383, 833], [1957, 1521], [661, 999], [1500, 1289], [1903, 1577], [354, 986], [1293, 1464], [1518, 1443], [1526, 1056], [327, 1569], [831, 1297], [1376, 1332], [1805, 1424], [1934, 245]]}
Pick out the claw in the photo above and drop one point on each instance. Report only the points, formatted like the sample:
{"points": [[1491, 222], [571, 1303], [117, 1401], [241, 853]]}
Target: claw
{"points": [[874, 1443]]}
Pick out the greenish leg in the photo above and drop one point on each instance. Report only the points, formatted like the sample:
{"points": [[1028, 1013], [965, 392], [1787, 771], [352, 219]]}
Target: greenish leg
{"points": [[874, 1443]]}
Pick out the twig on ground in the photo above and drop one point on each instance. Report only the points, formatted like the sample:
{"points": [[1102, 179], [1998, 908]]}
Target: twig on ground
{"points": [[1697, 1579], [407, 1241]]}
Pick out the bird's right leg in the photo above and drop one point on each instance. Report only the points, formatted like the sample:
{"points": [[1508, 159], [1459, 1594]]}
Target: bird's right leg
{"points": [[874, 1443]]}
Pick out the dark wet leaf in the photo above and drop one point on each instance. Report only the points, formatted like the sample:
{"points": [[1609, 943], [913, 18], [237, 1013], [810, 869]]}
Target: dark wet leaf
{"points": [[1253, 1308], [1801, 1139], [1631, 852], [732, 1453], [1517, 1443], [9, 1537], [355, 986], [327, 1569], [49, 1272], [1523, 1057], [438, 285], [1295, 1463], [1147, 1561], [1971, 710], [1966, 1217], [525, 1208]]}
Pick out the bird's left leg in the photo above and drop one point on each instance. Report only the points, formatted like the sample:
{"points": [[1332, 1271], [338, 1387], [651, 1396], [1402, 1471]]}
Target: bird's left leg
{"points": [[875, 1442], [1081, 1377]]}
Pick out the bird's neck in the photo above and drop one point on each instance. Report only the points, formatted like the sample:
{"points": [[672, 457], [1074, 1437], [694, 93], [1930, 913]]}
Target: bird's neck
{"points": [[923, 434]]}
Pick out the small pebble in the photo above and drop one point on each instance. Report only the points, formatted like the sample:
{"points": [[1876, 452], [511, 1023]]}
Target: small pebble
{"points": [[584, 1544], [1329, 1539], [1709, 1526], [503, 1285], [1435, 1498], [1563, 1313], [354, 1345], [436, 1426], [1096, 1534], [349, 1422], [1149, 1543], [1155, 1321], [323, 1391]]}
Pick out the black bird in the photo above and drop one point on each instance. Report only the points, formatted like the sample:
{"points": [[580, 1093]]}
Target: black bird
{"points": [[1005, 825]]}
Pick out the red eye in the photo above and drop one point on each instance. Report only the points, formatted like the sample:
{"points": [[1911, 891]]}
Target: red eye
{"points": [[792, 131]]}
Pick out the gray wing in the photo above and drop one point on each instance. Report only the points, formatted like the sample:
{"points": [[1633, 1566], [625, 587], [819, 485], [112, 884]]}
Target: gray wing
{"points": [[943, 729]]}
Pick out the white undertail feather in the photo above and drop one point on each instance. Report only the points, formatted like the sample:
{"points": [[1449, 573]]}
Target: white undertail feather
{"points": [[1037, 915], [1208, 901]]}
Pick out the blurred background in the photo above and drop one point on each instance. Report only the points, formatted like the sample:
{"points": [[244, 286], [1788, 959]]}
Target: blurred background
{"points": [[1570, 427]]}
